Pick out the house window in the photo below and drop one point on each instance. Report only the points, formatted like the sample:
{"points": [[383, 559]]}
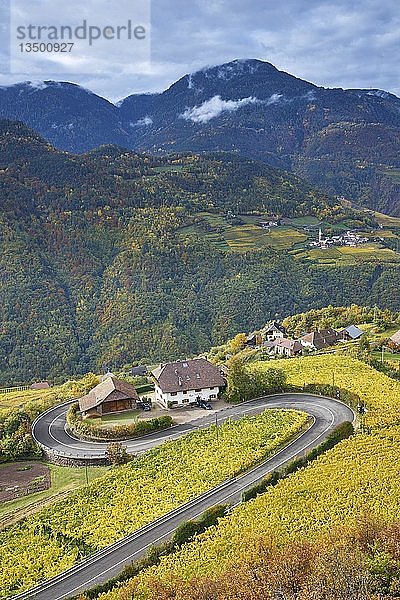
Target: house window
{"points": [[198, 390], [174, 393], [184, 393]]}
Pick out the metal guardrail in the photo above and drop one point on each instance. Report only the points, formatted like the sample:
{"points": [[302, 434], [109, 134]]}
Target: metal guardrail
{"points": [[29, 594], [120, 543]]}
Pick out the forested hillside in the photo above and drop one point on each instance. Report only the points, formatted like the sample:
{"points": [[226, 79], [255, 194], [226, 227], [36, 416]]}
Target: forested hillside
{"points": [[345, 141], [100, 264]]}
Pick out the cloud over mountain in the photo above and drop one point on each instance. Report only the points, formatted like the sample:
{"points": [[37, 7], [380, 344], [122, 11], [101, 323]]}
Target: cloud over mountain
{"points": [[210, 109], [214, 107]]}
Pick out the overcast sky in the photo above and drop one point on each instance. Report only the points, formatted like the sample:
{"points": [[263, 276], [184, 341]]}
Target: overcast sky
{"points": [[338, 43]]}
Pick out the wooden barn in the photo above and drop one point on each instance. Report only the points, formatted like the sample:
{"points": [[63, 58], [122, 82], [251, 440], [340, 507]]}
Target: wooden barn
{"points": [[110, 396]]}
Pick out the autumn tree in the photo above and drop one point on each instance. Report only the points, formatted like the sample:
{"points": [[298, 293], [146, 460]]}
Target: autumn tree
{"points": [[116, 454]]}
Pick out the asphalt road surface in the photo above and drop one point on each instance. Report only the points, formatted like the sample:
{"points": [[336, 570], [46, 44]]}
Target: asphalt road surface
{"points": [[49, 430]]}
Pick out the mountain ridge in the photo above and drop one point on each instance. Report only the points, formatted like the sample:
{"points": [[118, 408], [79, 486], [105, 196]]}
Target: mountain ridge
{"points": [[247, 107]]}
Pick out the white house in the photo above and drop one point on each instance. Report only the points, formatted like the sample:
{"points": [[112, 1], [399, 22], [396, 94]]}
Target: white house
{"points": [[187, 382], [273, 331], [284, 347]]}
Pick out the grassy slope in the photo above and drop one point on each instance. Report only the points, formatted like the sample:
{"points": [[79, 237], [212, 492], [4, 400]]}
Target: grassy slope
{"points": [[19, 399], [387, 220], [338, 488], [63, 479], [249, 236], [346, 256]]}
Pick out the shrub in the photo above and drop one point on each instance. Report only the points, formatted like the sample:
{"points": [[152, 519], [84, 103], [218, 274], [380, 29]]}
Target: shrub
{"points": [[80, 426], [244, 384], [116, 454]]}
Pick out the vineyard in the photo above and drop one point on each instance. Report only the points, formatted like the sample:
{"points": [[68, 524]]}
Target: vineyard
{"points": [[358, 478], [135, 494]]}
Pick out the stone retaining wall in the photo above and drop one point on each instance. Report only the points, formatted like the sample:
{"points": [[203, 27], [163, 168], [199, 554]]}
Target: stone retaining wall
{"points": [[70, 461]]}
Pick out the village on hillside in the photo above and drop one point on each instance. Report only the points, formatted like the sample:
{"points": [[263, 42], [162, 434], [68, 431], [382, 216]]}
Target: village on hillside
{"points": [[274, 340], [147, 392], [196, 382], [349, 238]]}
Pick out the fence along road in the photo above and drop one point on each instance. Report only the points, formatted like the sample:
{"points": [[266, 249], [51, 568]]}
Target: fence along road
{"points": [[326, 414]]}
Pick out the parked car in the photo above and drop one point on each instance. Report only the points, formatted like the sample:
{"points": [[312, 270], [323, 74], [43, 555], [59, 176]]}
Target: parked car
{"points": [[206, 405], [144, 405]]}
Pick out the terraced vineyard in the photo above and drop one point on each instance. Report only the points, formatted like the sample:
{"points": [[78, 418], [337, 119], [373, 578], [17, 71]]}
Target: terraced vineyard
{"points": [[358, 477], [136, 494], [346, 256], [294, 236]]}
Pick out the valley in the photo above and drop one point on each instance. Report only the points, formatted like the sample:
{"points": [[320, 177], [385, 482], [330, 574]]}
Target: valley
{"points": [[199, 300], [142, 260]]}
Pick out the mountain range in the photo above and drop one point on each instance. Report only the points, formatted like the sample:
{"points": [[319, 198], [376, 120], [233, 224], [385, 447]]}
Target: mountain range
{"points": [[347, 142], [111, 256]]}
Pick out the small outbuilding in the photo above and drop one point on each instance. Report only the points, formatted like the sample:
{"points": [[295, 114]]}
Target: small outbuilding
{"points": [[252, 340], [139, 371], [395, 339], [352, 332], [40, 385], [109, 396]]}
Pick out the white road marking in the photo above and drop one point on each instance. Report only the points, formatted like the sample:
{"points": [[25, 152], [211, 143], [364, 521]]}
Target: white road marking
{"points": [[68, 594], [74, 447], [236, 491], [268, 404], [91, 447]]}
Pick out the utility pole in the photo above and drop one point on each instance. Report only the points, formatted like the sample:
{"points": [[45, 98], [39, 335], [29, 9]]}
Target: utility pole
{"points": [[361, 409], [87, 475], [216, 424]]}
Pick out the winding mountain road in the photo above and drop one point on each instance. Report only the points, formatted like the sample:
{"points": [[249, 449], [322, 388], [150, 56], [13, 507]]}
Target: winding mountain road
{"points": [[49, 431]]}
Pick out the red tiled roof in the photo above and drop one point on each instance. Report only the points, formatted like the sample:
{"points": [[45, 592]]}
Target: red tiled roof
{"points": [[289, 344]]}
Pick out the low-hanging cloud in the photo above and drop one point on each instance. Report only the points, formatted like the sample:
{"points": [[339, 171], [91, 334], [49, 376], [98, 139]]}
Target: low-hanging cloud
{"points": [[144, 122], [214, 107]]}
